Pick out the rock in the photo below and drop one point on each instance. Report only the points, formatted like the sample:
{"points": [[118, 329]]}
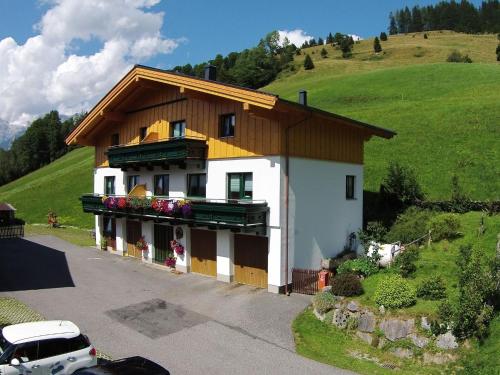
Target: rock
{"points": [[338, 305], [395, 329], [419, 341], [381, 309], [402, 352], [318, 315], [327, 288], [446, 341], [340, 318], [366, 322], [438, 358], [366, 337], [381, 343], [424, 323], [352, 306]]}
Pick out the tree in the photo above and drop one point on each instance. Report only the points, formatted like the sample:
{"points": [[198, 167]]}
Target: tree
{"points": [[383, 36], [320, 41], [312, 42], [324, 53], [393, 29], [346, 47], [498, 52], [329, 38], [376, 45], [417, 24], [401, 182], [308, 63]]}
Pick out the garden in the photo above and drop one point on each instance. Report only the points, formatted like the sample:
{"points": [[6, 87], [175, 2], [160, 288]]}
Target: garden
{"points": [[432, 309]]}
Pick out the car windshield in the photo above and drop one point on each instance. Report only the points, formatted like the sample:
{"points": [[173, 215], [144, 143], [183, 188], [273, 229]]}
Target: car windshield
{"points": [[4, 344]]}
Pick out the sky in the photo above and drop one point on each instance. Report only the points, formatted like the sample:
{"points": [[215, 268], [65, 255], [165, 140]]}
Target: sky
{"points": [[66, 54]]}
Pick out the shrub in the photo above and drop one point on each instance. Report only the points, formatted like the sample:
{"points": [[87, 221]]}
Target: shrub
{"points": [[375, 231], [426, 36], [444, 227], [323, 302], [405, 261], [410, 225], [308, 63], [361, 266], [324, 53], [401, 182], [344, 256], [457, 57], [432, 288], [395, 292], [383, 36], [347, 285]]}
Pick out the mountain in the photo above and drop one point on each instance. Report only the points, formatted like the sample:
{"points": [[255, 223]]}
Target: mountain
{"points": [[8, 133]]}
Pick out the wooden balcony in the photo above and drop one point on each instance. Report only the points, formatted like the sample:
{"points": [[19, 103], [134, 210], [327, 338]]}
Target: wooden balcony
{"points": [[176, 151], [238, 215]]}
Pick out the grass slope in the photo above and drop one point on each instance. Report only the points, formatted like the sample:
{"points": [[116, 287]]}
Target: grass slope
{"points": [[447, 115], [56, 187]]}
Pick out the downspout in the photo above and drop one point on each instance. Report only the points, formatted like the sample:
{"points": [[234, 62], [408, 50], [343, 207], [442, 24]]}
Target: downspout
{"points": [[287, 189]]}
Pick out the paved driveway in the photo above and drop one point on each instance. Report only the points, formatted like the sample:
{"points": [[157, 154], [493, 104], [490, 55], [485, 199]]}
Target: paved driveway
{"points": [[189, 323]]}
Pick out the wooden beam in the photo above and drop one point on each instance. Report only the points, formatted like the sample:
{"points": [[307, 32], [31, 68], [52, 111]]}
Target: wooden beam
{"points": [[113, 116], [147, 84], [253, 111], [191, 94]]}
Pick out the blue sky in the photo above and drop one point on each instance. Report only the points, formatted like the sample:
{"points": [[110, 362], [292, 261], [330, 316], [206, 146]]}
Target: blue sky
{"points": [[66, 54], [222, 26]]}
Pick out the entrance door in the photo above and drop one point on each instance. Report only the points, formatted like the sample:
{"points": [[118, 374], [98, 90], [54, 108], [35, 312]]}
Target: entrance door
{"points": [[109, 225], [163, 235], [204, 252], [250, 260], [134, 233]]}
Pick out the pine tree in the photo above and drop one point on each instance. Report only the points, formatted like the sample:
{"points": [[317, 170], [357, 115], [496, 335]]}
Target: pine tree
{"points": [[393, 29], [346, 47], [329, 38], [308, 63], [383, 37], [376, 45], [324, 53], [320, 41], [498, 52], [312, 42], [417, 24]]}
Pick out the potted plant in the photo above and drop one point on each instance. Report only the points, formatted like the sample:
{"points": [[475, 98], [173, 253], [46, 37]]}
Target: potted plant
{"points": [[142, 245], [104, 243]]}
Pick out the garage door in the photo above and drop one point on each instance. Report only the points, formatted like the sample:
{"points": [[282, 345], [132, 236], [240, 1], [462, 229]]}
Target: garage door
{"points": [[134, 233], [250, 260], [204, 252]]}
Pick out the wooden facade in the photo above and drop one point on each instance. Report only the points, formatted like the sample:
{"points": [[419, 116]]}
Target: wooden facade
{"points": [[155, 99]]}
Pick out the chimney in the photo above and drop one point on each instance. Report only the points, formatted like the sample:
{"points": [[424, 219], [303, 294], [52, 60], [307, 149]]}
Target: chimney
{"points": [[303, 97], [211, 72]]}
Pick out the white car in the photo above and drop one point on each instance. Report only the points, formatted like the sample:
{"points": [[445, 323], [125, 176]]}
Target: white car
{"points": [[49, 347]]}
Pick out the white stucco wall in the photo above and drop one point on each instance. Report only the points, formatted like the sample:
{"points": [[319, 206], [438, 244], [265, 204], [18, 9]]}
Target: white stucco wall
{"points": [[321, 218]]}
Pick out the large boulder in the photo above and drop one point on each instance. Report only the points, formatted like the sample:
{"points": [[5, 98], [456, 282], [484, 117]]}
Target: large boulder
{"points": [[365, 337], [419, 341], [402, 352], [424, 323], [395, 329], [446, 341], [340, 317], [366, 322]]}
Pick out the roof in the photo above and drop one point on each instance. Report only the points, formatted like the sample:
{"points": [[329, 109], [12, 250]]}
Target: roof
{"points": [[51, 329], [6, 207], [141, 75]]}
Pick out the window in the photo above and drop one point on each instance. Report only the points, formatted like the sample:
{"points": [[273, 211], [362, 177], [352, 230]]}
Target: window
{"points": [[109, 227], [26, 352], [197, 185], [349, 187], [240, 186], [109, 185], [161, 185], [52, 347], [142, 133], [178, 129], [131, 182], [78, 343], [227, 124], [115, 139]]}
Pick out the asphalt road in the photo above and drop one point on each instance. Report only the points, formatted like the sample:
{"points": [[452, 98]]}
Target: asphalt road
{"points": [[188, 323]]}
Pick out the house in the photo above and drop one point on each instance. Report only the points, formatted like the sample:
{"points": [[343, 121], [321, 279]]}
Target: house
{"points": [[7, 213], [248, 184]]}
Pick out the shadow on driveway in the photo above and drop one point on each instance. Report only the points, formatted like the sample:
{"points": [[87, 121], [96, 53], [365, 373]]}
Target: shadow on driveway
{"points": [[26, 265]]}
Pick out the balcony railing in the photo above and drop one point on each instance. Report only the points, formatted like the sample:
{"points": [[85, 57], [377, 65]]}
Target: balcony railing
{"points": [[242, 215], [157, 152]]}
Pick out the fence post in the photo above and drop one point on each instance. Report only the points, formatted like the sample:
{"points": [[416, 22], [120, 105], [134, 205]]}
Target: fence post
{"points": [[429, 241]]}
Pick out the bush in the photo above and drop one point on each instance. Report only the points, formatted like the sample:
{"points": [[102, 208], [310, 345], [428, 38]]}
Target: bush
{"points": [[457, 57], [444, 227], [347, 285], [405, 261], [410, 225], [361, 266], [323, 302], [401, 182], [344, 256], [432, 288], [426, 36], [395, 292], [308, 63], [375, 231]]}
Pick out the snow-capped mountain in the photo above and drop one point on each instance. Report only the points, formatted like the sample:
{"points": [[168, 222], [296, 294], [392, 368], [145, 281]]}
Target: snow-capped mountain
{"points": [[8, 132]]}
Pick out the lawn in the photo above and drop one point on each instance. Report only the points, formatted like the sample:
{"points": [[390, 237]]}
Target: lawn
{"points": [[55, 187], [446, 115], [76, 236], [326, 343]]}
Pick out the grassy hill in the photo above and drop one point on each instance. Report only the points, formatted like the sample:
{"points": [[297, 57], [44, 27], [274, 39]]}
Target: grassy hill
{"points": [[447, 115], [56, 187]]}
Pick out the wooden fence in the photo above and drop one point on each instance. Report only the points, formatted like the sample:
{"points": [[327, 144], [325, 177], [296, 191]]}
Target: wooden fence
{"points": [[305, 281], [11, 231]]}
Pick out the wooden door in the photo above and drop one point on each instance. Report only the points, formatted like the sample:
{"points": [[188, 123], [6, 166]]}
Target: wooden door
{"points": [[204, 252], [134, 233], [250, 260], [109, 224], [163, 235]]}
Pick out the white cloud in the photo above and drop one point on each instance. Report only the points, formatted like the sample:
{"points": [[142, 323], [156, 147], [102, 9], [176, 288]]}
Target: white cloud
{"points": [[297, 36], [355, 37], [45, 72]]}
